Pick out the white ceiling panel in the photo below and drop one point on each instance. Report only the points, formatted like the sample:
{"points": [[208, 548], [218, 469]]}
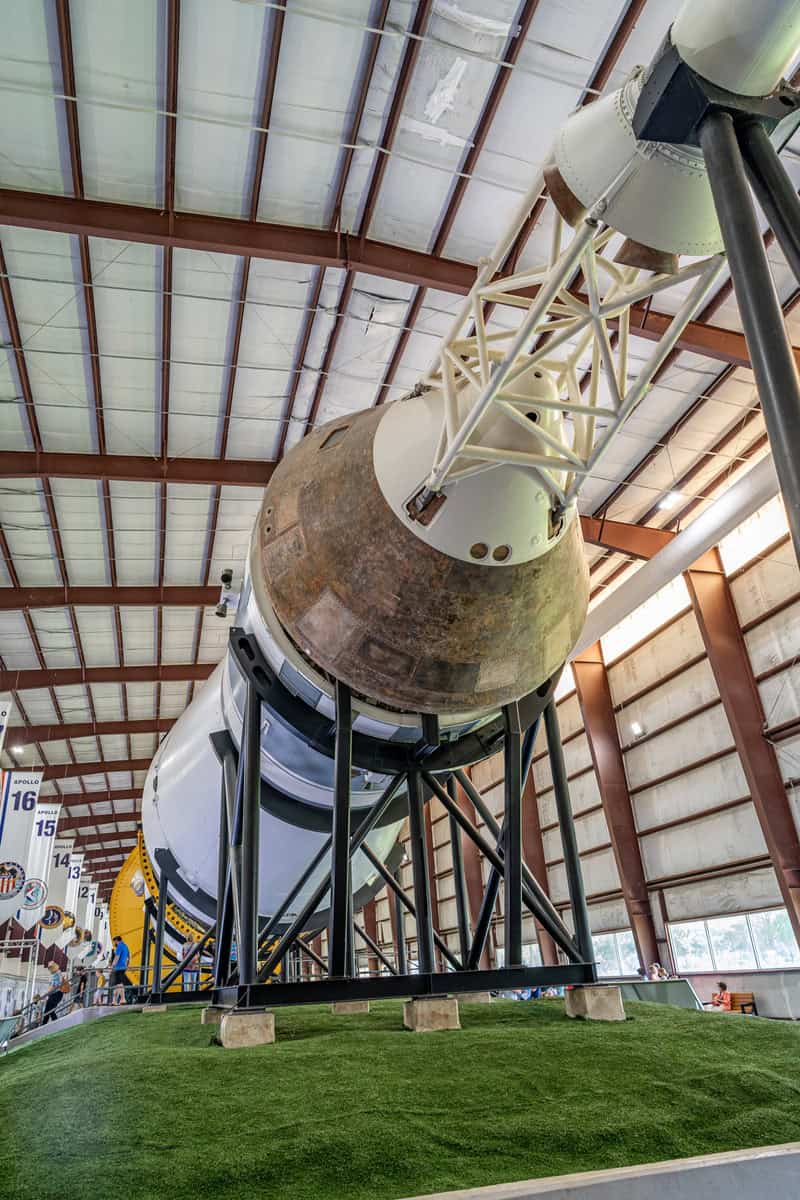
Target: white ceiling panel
{"points": [[31, 119], [138, 634], [223, 52], [116, 48], [136, 515], [188, 510]]}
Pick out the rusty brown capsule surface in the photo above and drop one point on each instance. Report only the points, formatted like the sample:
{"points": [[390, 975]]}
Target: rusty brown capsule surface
{"points": [[367, 601]]}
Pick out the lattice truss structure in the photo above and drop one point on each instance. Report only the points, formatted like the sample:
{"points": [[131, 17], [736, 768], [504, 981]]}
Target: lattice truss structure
{"points": [[560, 327]]}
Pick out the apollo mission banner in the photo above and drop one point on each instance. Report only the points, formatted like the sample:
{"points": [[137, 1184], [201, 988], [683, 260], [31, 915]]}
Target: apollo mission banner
{"points": [[51, 922], [40, 853], [19, 791], [71, 901]]}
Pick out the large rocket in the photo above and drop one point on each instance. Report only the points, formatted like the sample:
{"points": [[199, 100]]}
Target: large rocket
{"points": [[463, 603]]}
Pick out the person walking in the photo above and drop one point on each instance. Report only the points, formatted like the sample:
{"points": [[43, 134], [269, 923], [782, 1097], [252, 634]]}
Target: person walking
{"points": [[55, 993], [119, 962]]}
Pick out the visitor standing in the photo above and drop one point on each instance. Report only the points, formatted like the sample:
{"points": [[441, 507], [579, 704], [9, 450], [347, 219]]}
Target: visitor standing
{"points": [[119, 962], [55, 993]]}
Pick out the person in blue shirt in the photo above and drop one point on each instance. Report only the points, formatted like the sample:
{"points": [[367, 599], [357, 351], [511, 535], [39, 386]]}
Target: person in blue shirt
{"points": [[119, 962]]}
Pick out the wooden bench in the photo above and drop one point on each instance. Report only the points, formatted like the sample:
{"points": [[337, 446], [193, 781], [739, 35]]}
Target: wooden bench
{"points": [[744, 1002]]}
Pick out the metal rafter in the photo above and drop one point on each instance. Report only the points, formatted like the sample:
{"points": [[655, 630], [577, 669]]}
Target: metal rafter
{"points": [[12, 599], [28, 679], [81, 729], [26, 464], [77, 770]]}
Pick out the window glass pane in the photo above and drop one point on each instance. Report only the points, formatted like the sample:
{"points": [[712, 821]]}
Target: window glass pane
{"points": [[626, 948], [730, 944], [690, 946], [775, 942], [605, 952], [532, 955]]}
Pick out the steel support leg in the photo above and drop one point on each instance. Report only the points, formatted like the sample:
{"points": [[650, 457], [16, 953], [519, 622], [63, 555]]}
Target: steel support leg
{"points": [[400, 927], [569, 841], [512, 840], [773, 187], [249, 790], [222, 948], [351, 945], [422, 894], [770, 353], [459, 879], [144, 957], [340, 856], [161, 918]]}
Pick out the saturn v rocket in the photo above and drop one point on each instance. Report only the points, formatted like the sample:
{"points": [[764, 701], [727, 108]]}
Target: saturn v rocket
{"points": [[455, 610]]}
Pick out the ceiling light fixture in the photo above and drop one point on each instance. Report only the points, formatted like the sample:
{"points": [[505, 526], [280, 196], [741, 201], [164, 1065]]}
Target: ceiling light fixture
{"points": [[670, 500], [636, 729]]}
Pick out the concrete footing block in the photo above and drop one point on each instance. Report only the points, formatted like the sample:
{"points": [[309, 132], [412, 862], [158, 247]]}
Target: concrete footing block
{"points": [[151, 1008], [429, 1013], [239, 1030], [212, 1015], [475, 997], [349, 1008], [595, 1003]]}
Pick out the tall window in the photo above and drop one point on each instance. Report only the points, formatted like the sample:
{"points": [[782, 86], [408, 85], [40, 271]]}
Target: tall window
{"points": [[745, 942], [615, 953]]}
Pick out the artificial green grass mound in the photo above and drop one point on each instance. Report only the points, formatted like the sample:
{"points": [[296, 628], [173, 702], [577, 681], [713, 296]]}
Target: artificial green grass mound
{"points": [[356, 1108]]}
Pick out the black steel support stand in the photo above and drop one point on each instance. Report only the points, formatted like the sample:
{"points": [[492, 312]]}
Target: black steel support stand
{"points": [[158, 949], [422, 893], [770, 353], [402, 899], [144, 957], [375, 948], [512, 841], [222, 946], [312, 954], [400, 926], [311, 905], [284, 906], [531, 898], [459, 878], [569, 841], [341, 893], [249, 789]]}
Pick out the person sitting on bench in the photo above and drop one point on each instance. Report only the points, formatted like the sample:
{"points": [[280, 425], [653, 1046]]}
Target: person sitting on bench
{"points": [[722, 997]]}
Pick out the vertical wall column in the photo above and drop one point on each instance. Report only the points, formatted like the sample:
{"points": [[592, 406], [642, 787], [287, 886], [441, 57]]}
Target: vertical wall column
{"points": [[371, 928], [533, 854], [597, 708], [727, 653]]}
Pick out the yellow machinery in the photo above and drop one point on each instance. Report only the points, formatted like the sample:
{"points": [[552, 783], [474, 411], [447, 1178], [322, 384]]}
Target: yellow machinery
{"points": [[126, 914]]}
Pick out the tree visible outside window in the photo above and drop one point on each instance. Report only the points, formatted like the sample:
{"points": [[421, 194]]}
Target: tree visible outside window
{"points": [[615, 953], [744, 942]]}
